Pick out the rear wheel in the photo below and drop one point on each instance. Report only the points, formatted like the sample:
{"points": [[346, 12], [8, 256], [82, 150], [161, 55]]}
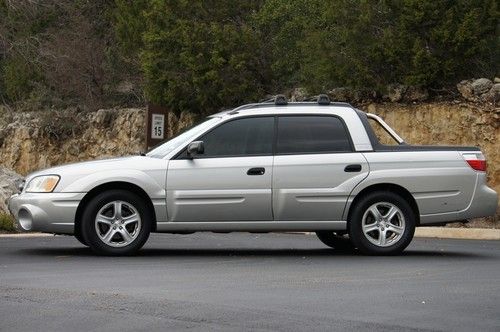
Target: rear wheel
{"points": [[382, 223], [116, 222], [335, 240]]}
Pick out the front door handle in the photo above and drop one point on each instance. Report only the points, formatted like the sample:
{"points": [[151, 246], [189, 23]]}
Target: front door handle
{"points": [[256, 171], [353, 168]]}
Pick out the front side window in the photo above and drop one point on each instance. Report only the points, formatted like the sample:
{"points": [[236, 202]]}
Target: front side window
{"points": [[241, 137], [311, 134], [165, 148]]}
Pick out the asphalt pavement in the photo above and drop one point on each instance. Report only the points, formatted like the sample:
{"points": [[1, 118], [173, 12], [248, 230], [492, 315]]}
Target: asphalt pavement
{"points": [[241, 281]]}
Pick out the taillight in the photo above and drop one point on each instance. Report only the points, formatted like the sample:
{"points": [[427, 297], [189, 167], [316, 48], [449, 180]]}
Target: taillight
{"points": [[476, 161]]}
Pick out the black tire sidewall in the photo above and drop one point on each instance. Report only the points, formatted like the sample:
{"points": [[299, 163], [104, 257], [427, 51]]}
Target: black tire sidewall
{"points": [[333, 240], [355, 224], [88, 219], [78, 235]]}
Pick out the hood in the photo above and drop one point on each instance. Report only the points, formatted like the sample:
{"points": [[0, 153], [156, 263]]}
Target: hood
{"points": [[88, 167]]}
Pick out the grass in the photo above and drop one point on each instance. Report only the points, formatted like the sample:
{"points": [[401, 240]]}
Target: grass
{"points": [[7, 223]]}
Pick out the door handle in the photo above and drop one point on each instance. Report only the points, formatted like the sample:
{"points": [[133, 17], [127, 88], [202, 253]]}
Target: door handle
{"points": [[256, 171], [353, 168]]}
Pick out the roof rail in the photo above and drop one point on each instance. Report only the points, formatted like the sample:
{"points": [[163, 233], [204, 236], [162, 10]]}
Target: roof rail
{"points": [[281, 100], [321, 99]]}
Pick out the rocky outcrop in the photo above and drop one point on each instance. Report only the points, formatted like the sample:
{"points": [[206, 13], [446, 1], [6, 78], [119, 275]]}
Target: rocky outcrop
{"points": [[8, 186], [31, 141], [38, 140], [406, 94], [481, 89]]}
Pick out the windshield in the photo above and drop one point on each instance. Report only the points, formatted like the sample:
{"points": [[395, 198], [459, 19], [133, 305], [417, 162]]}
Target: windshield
{"points": [[162, 150]]}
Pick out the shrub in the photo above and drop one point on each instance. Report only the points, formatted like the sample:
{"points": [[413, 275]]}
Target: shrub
{"points": [[7, 223], [202, 55]]}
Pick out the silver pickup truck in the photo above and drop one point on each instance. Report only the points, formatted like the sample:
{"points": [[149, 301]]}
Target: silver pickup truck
{"points": [[272, 166]]}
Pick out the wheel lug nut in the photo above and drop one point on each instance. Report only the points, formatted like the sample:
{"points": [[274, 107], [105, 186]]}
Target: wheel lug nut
{"points": [[114, 227], [121, 227]]}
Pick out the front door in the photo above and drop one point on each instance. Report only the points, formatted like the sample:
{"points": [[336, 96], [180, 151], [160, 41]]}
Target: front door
{"points": [[315, 168], [231, 180]]}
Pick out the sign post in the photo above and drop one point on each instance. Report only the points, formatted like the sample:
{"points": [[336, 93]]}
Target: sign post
{"points": [[156, 125]]}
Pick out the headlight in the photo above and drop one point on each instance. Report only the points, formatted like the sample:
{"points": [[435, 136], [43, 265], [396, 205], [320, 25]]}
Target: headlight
{"points": [[42, 184]]}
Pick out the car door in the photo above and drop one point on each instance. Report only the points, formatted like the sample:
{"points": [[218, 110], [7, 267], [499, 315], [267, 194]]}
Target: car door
{"points": [[315, 168], [231, 180]]}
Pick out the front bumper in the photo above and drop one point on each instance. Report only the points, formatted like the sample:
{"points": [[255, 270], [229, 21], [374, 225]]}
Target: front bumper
{"points": [[45, 212]]}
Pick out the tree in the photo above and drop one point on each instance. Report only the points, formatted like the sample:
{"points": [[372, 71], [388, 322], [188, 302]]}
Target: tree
{"points": [[202, 55]]}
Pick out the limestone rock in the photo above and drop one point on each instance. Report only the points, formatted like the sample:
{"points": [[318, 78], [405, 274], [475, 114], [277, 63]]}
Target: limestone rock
{"points": [[493, 95], [340, 94], [298, 94], [465, 89], [8, 186], [416, 93], [481, 85], [396, 92]]}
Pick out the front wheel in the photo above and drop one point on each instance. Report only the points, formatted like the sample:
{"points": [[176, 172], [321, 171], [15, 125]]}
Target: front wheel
{"points": [[382, 223], [116, 222]]}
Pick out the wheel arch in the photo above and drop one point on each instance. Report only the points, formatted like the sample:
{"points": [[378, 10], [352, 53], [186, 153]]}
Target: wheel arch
{"points": [[110, 186], [390, 187]]}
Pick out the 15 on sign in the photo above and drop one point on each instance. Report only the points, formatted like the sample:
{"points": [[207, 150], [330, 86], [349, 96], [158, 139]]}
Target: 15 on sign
{"points": [[158, 126]]}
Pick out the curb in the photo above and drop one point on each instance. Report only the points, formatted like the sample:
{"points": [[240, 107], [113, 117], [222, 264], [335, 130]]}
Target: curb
{"points": [[422, 232], [23, 235], [458, 233]]}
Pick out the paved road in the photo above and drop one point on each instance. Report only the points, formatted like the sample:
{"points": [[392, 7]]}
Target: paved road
{"points": [[287, 282]]}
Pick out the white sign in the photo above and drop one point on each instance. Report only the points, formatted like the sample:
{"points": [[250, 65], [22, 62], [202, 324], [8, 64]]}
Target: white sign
{"points": [[157, 126]]}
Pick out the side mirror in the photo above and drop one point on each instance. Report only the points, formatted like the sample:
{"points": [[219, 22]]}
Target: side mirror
{"points": [[195, 148]]}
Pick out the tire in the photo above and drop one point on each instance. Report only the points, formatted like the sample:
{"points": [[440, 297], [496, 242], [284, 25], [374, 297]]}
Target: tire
{"points": [[78, 235], [387, 232], [110, 233], [335, 240]]}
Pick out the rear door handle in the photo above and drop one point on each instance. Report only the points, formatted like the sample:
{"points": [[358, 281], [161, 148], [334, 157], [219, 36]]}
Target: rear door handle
{"points": [[256, 171], [353, 168]]}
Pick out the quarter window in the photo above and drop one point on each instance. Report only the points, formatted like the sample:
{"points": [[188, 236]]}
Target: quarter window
{"points": [[311, 134], [242, 137]]}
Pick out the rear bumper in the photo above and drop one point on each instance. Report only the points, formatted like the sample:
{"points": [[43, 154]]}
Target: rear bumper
{"points": [[45, 212], [484, 203]]}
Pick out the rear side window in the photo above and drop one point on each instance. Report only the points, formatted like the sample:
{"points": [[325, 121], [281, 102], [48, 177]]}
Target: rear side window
{"points": [[311, 134], [242, 137]]}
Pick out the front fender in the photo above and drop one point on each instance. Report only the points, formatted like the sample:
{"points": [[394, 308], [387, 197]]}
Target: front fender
{"points": [[152, 184]]}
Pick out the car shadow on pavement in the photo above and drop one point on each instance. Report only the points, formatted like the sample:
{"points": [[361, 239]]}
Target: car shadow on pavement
{"points": [[244, 252]]}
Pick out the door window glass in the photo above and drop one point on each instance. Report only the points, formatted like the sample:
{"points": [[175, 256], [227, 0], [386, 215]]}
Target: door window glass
{"points": [[311, 134], [242, 137]]}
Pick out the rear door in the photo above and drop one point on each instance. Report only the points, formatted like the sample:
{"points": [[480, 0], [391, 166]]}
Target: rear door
{"points": [[231, 181], [315, 168]]}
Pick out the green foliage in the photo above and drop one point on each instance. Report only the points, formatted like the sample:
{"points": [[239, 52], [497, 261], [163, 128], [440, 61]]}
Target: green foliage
{"points": [[130, 24], [284, 27], [371, 44], [6, 223], [201, 55], [60, 53], [18, 78]]}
